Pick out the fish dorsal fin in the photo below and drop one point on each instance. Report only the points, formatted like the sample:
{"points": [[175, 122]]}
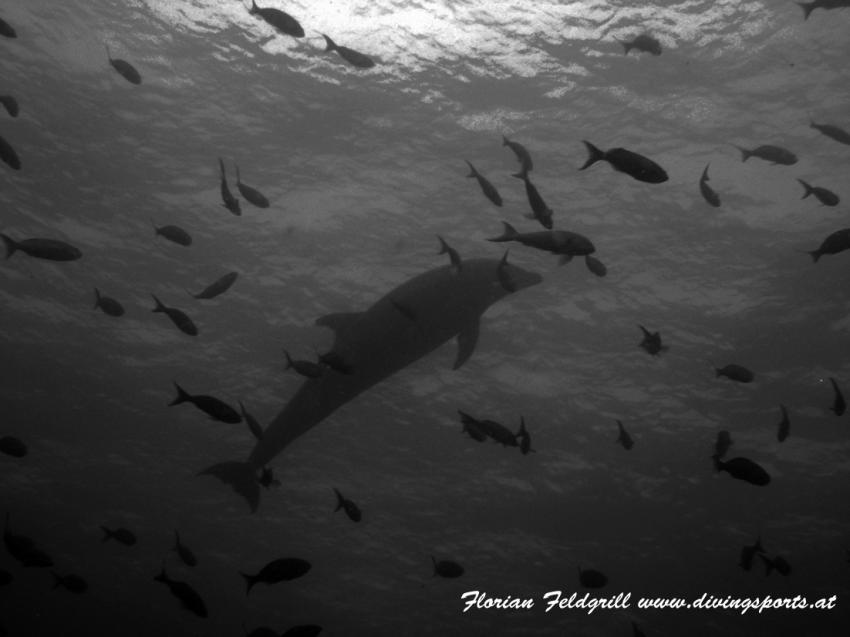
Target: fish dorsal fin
{"points": [[467, 339], [340, 322]]}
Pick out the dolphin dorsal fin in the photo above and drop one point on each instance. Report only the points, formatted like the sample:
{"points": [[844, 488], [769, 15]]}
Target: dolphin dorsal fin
{"points": [[467, 339]]}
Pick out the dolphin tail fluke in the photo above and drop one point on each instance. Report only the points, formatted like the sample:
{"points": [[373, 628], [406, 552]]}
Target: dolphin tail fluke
{"points": [[594, 154], [240, 476], [10, 244]]}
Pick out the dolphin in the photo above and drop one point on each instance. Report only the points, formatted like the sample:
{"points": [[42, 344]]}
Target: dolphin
{"points": [[379, 342]]}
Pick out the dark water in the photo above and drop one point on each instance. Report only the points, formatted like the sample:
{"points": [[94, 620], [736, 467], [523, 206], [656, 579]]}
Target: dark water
{"points": [[363, 169]]}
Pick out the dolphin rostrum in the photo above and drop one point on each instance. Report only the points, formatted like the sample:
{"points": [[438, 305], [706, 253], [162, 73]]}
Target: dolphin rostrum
{"points": [[379, 342]]}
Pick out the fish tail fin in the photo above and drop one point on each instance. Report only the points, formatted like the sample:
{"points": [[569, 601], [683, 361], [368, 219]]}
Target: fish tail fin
{"points": [[717, 465], [108, 52], [57, 581], [807, 7], [339, 502], [221, 167], [182, 396], [807, 186], [10, 244], [505, 141], [250, 580], [240, 476], [815, 254], [163, 576], [444, 247], [472, 171], [330, 45], [768, 565], [288, 359], [107, 533], [705, 172], [627, 46], [522, 174], [96, 298], [253, 8], [594, 154], [434, 562], [745, 154], [238, 178], [159, 306], [465, 418], [509, 233]]}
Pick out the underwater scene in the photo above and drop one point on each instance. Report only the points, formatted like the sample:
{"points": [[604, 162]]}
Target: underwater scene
{"points": [[425, 318]]}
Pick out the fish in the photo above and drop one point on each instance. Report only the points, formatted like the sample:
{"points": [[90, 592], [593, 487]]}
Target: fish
{"points": [[7, 30], [838, 241], [183, 551], [72, 583], [188, 597], [175, 234], [303, 630], [454, 257], [784, 425], [808, 7], [49, 249], [24, 549], [487, 188], [8, 154], [707, 191], [280, 570], [826, 197], [10, 104], [722, 444], [644, 42], [228, 200], [447, 568], [833, 132], [110, 306], [773, 154], [540, 210], [743, 469], [252, 195], [735, 372], [748, 553], [122, 535], [219, 286], [306, 368], [590, 578], [838, 405], [378, 345], [124, 68], [12, 446], [355, 58], [351, 509], [777, 562], [625, 161], [595, 265], [624, 438], [336, 362], [178, 317], [213, 407], [253, 425], [651, 342], [561, 242], [522, 155], [524, 437], [280, 20], [490, 428]]}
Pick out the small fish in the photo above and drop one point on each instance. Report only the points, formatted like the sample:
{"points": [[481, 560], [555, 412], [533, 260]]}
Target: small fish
{"points": [[219, 286], [833, 132], [735, 372], [252, 195], [743, 469], [447, 568], [124, 68], [838, 406], [6, 29], [351, 509], [826, 197], [707, 191], [590, 578], [213, 407], [487, 188], [748, 553], [595, 265], [540, 210], [283, 569], [838, 241], [624, 438], [175, 234], [228, 200], [773, 154], [253, 425], [12, 446], [336, 362], [651, 342], [504, 276], [72, 583], [454, 257], [185, 553], [267, 478], [24, 549], [303, 630], [178, 317], [306, 368], [808, 7], [644, 42], [784, 425], [355, 58], [110, 306], [122, 535], [49, 249], [189, 598], [494, 430], [777, 562], [281, 21], [10, 104], [561, 242], [524, 437], [8, 155], [722, 444], [522, 155], [625, 161]]}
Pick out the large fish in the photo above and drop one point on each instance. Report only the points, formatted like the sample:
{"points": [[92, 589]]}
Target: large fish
{"points": [[10, 104], [355, 58], [838, 241], [219, 286], [487, 188], [50, 249], [625, 161], [522, 155], [280, 20], [229, 201], [124, 68], [644, 42], [7, 30], [562, 242], [833, 132], [252, 195], [539, 209], [773, 154], [826, 197], [707, 191], [379, 342], [9, 155]]}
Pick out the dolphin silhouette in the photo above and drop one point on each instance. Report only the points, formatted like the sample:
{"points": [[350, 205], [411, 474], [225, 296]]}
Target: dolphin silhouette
{"points": [[377, 343]]}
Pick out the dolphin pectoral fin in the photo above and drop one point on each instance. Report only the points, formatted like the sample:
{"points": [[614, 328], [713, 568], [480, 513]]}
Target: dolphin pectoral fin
{"points": [[240, 476], [467, 339]]}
